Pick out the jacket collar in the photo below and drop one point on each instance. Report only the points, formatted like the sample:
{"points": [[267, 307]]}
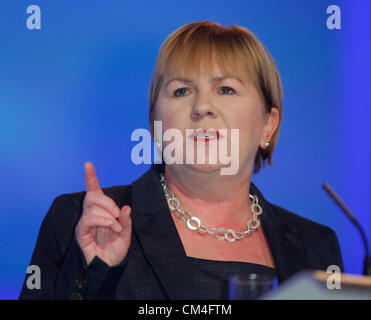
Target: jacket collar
{"points": [[158, 236]]}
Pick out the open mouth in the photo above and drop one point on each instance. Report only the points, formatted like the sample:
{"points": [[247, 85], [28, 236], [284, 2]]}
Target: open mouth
{"points": [[205, 135]]}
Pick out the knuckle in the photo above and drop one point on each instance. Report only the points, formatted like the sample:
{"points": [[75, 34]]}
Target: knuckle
{"points": [[88, 209], [114, 208], [91, 195], [82, 221]]}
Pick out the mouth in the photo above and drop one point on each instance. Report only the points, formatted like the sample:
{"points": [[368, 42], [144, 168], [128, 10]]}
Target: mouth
{"points": [[205, 135]]}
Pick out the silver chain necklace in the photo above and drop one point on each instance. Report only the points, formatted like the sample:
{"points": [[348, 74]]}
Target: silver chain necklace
{"points": [[194, 223]]}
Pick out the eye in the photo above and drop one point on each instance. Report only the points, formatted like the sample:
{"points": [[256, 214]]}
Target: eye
{"points": [[180, 92], [225, 91]]}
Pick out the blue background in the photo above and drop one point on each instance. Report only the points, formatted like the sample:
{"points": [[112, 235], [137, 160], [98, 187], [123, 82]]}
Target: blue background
{"points": [[76, 89]]}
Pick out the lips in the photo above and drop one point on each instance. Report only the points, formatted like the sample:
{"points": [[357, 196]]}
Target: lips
{"points": [[205, 135]]}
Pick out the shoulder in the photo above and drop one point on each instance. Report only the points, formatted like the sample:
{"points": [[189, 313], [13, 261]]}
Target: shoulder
{"points": [[120, 194], [290, 221], [301, 224], [320, 242], [66, 209]]}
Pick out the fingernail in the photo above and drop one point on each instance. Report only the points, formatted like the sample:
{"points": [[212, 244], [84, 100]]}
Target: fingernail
{"points": [[118, 228]]}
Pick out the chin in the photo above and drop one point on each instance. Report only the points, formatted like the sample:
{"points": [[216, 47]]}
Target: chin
{"points": [[205, 168]]}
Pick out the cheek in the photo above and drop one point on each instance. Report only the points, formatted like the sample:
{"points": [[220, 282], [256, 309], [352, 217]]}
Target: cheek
{"points": [[249, 120], [244, 123], [169, 122], [171, 119], [249, 128]]}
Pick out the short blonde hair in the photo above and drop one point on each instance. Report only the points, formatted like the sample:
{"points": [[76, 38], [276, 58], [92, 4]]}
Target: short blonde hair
{"points": [[236, 50]]}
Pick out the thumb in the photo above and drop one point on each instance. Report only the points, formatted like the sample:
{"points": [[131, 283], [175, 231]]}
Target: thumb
{"points": [[125, 217]]}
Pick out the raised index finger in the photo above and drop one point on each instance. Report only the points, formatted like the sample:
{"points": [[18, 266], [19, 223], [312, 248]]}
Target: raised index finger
{"points": [[91, 179]]}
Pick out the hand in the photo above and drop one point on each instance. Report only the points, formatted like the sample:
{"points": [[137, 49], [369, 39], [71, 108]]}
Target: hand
{"points": [[103, 229]]}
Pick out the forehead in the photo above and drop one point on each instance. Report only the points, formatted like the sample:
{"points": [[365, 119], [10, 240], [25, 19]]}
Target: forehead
{"points": [[214, 66], [191, 80], [212, 72]]}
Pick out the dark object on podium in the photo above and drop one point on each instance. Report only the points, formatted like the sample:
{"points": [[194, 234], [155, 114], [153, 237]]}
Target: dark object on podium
{"points": [[319, 285]]}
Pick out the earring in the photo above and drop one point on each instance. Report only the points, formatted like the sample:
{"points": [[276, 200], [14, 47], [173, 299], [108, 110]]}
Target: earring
{"points": [[267, 144]]}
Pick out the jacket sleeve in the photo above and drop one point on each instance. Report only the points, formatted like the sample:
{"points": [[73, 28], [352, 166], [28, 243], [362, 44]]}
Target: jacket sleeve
{"points": [[60, 261], [323, 249], [338, 259]]}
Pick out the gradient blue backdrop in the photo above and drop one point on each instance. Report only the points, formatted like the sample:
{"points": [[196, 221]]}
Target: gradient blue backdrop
{"points": [[76, 89]]}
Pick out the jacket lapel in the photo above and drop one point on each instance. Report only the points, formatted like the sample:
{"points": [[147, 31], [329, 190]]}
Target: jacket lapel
{"points": [[284, 240], [157, 234]]}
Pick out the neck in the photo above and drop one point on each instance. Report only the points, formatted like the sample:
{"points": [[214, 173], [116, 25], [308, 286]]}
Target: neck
{"points": [[214, 198]]}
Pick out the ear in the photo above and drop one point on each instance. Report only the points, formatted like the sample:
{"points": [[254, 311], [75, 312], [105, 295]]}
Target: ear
{"points": [[272, 120]]}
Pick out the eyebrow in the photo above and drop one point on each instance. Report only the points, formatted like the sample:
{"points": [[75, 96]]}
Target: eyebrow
{"points": [[189, 81]]}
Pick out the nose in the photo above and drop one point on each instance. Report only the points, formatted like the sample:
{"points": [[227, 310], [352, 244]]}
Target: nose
{"points": [[203, 107]]}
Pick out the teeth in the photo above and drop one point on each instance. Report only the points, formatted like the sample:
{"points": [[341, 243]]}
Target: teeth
{"points": [[205, 134], [201, 135]]}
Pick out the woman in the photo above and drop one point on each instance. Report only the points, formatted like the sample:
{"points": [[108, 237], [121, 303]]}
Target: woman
{"points": [[181, 230]]}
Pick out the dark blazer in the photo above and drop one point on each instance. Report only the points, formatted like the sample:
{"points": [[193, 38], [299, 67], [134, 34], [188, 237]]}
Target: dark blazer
{"points": [[156, 266]]}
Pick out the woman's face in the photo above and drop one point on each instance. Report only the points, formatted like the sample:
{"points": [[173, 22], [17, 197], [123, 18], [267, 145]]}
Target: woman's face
{"points": [[218, 102]]}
